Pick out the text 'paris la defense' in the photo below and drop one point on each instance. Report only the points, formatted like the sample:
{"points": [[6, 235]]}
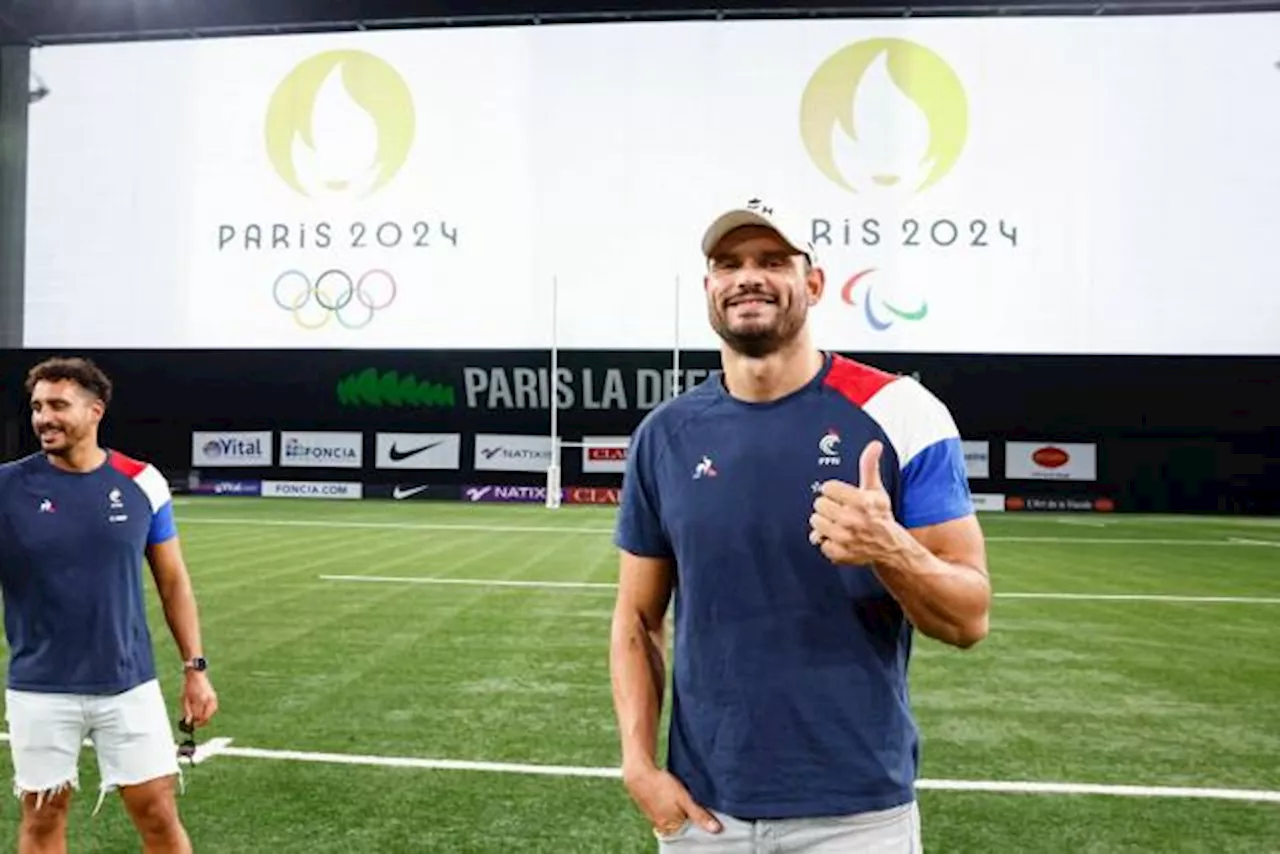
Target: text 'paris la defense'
{"points": [[589, 388]]}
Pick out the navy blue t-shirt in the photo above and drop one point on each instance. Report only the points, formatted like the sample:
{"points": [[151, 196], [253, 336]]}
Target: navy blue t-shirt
{"points": [[790, 673], [71, 552]]}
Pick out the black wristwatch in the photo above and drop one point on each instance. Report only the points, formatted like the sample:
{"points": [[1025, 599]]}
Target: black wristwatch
{"points": [[198, 664]]}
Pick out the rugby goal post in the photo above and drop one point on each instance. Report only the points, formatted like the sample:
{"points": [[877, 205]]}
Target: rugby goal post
{"points": [[555, 467]]}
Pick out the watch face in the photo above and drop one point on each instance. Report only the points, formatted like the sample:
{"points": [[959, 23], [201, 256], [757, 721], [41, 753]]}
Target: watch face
{"points": [[199, 663]]}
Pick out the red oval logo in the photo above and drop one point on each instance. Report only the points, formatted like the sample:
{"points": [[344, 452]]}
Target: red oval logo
{"points": [[846, 293], [1050, 458], [1014, 502]]}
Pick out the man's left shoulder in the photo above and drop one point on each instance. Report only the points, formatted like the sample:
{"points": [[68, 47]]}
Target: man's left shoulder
{"points": [[145, 476], [884, 395], [912, 418], [855, 381], [905, 395]]}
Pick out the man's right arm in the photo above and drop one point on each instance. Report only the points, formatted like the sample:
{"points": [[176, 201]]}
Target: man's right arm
{"points": [[637, 656], [637, 645]]}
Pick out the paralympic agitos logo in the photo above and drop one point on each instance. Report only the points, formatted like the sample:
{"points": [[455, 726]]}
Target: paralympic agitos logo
{"points": [[340, 129]]}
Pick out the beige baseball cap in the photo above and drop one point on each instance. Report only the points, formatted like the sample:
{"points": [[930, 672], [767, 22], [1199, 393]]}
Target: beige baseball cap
{"points": [[758, 212]]}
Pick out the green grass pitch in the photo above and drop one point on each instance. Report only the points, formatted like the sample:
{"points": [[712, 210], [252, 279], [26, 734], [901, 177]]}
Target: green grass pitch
{"points": [[327, 682]]}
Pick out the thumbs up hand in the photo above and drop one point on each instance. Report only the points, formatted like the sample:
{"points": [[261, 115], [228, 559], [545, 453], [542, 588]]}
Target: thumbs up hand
{"points": [[854, 525]]}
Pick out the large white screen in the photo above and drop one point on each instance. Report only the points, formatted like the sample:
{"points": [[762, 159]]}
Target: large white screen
{"points": [[1006, 186]]}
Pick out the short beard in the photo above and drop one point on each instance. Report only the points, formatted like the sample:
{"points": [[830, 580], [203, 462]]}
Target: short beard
{"points": [[758, 344], [755, 345], [63, 450]]}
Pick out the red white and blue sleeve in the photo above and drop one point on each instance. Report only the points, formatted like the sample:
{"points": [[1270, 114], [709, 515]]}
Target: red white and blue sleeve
{"points": [[153, 485], [935, 482]]}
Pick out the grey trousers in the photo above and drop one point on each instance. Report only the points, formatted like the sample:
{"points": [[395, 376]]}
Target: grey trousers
{"points": [[891, 831]]}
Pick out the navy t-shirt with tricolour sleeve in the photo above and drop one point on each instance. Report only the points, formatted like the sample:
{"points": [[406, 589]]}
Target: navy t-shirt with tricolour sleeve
{"points": [[72, 547], [790, 673]]}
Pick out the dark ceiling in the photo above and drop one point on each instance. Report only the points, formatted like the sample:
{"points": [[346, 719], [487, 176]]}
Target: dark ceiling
{"points": [[38, 22]]}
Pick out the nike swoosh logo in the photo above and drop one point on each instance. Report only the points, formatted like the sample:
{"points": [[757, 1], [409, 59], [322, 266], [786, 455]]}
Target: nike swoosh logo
{"points": [[397, 455], [399, 493]]}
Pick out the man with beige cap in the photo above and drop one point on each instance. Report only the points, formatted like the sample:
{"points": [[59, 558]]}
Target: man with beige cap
{"points": [[811, 512]]}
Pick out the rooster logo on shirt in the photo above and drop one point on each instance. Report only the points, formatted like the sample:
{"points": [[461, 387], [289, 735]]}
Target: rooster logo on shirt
{"points": [[829, 447]]}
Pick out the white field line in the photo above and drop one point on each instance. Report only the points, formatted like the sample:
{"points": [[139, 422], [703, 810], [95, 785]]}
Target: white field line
{"points": [[1009, 786], [562, 529], [608, 585], [1143, 597], [1033, 788], [396, 526], [1127, 541], [221, 747], [208, 750], [473, 582], [414, 762]]}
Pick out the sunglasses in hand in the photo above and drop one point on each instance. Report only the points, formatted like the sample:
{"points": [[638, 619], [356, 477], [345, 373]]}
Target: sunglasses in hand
{"points": [[187, 747]]}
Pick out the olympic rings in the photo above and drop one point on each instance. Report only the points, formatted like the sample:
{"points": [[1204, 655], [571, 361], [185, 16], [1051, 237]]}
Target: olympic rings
{"points": [[333, 294]]}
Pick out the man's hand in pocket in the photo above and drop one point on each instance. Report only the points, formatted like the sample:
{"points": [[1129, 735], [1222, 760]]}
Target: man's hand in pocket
{"points": [[666, 803]]}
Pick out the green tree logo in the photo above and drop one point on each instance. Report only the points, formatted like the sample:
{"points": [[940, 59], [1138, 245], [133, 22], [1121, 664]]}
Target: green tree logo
{"points": [[390, 389]]}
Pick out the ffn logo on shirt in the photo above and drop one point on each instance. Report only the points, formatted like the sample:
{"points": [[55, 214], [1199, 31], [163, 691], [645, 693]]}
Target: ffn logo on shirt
{"points": [[704, 469], [117, 504], [829, 446], [46, 506]]}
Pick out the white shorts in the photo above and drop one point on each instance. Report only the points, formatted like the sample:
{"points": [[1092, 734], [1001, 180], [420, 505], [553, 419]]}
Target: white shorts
{"points": [[130, 733]]}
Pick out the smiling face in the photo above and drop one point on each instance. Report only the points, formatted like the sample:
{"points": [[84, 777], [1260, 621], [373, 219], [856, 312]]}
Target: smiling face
{"points": [[759, 290], [64, 415]]}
